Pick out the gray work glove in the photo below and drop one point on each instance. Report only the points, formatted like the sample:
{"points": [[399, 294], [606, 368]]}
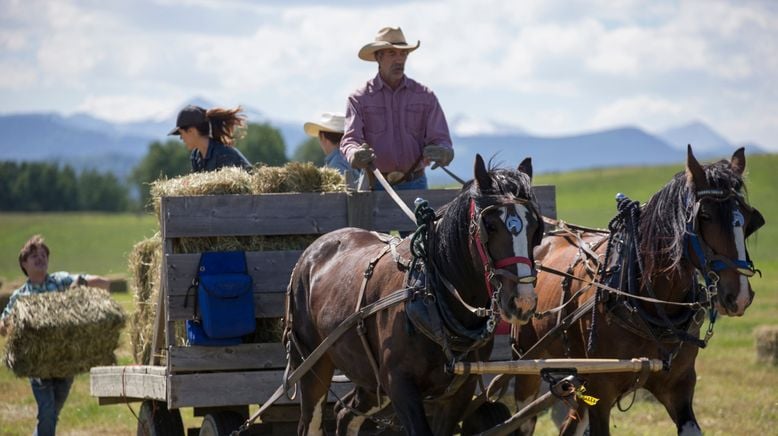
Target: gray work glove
{"points": [[362, 157], [439, 154]]}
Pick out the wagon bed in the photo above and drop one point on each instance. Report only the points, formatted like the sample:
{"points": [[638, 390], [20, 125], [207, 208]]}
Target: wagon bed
{"points": [[223, 380]]}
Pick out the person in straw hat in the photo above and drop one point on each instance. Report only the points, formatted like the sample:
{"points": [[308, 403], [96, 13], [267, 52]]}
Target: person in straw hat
{"points": [[49, 393], [209, 136], [394, 122], [329, 130]]}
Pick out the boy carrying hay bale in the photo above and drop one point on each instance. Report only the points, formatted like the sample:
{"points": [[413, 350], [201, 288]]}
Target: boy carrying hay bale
{"points": [[54, 335]]}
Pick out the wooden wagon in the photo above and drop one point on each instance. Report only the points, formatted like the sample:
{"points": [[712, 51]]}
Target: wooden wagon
{"points": [[221, 382]]}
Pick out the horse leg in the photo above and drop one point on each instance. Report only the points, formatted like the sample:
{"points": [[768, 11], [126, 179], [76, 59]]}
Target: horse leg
{"points": [[678, 399], [526, 389], [357, 400], [449, 412], [408, 405], [314, 387]]}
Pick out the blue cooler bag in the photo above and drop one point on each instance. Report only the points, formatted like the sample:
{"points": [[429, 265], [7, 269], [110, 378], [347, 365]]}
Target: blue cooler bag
{"points": [[224, 302]]}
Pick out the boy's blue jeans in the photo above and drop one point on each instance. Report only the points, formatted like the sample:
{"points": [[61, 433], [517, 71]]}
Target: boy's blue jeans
{"points": [[50, 394]]}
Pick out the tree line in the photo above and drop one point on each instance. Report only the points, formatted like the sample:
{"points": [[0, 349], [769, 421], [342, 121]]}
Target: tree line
{"points": [[44, 186]]}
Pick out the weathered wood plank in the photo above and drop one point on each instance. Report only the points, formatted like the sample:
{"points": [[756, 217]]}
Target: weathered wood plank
{"points": [[241, 215], [266, 305], [137, 382], [546, 196], [270, 271], [360, 210], [230, 388], [387, 215], [245, 356]]}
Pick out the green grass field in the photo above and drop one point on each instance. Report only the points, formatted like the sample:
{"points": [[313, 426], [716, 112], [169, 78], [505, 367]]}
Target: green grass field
{"points": [[94, 243], [735, 395]]}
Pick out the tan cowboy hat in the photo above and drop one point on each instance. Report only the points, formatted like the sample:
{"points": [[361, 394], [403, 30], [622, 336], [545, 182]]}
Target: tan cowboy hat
{"points": [[329, 122], [388, 37]]}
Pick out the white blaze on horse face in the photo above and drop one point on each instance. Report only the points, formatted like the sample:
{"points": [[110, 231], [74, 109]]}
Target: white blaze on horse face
{"points": [[738, 223], [516, 223]]}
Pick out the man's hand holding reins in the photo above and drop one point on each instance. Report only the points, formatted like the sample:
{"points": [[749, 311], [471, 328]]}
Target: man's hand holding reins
{"points": [[362, 157], [439, 154]]}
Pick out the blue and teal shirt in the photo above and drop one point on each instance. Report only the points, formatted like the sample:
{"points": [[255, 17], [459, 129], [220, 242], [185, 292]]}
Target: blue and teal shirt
{"points": [[54, 282], [336, 161]]}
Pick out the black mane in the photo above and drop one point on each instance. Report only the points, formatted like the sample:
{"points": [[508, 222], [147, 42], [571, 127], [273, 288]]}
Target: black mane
{"points": [[664, 217]]}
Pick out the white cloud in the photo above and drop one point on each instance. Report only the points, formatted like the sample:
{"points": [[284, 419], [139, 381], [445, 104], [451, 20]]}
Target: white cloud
{"points": [[646, 111], [123, 108], [550, 64], [17, 75]]}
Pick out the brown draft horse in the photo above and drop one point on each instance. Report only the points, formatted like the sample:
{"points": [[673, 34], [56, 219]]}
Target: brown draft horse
{"points": [[480, 242], [687, 246]]}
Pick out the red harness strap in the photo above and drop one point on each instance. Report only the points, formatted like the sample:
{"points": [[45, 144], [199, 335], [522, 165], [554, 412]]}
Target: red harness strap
{"points": [[502, 263]]}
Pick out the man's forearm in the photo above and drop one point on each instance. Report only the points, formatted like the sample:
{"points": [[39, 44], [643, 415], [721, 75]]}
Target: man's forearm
{"points": [[97, 282]]}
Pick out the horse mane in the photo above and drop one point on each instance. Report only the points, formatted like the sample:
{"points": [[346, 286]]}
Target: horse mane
{"points": [[664, 217]]}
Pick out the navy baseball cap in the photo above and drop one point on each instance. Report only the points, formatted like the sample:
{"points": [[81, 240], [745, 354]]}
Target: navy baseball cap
{"points": [[188, 117]]}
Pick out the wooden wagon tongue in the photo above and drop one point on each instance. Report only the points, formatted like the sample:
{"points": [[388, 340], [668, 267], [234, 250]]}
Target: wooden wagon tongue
{"points": [[535, 366]]}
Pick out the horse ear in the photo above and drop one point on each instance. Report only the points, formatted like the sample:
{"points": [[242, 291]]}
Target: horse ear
{"points": [[738, 161], [695, 175], [526, 167], [482, 179]]}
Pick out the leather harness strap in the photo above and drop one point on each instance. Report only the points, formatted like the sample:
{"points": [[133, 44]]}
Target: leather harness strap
{"points": [[390, 300]]}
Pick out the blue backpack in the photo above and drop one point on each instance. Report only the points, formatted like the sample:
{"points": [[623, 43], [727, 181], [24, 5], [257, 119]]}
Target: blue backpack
{"points": [[223, 300]]}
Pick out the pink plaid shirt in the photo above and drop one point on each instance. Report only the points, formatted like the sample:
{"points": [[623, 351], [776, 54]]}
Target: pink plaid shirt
{"points": [[397, 124]]}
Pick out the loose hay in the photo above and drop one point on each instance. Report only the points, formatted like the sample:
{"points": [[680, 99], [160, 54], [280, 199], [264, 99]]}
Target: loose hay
{"points": [[61, 334], [227, 180], [296, 177], [767, 344]]}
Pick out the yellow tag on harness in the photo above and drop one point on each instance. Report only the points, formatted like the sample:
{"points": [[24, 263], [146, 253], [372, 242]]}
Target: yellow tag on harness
{"points": [[588, 399]]}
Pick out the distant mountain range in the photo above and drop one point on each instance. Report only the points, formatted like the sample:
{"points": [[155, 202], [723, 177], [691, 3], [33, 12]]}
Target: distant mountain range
{"points": [[84, 141]]}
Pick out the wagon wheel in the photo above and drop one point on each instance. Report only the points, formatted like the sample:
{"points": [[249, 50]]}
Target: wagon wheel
{"points": [[485, 417], [154, 419], [221, 423]]}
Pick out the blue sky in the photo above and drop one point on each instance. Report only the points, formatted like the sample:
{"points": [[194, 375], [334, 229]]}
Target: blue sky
{"points": [[548, 67]]}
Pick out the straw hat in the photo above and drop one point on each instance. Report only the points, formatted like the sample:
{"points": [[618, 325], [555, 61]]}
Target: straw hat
{"points": [[388, 37], [329, 122]]}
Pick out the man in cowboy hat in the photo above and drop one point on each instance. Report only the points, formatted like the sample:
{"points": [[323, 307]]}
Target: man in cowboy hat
{"points": [[394, 122], [329, 130]]}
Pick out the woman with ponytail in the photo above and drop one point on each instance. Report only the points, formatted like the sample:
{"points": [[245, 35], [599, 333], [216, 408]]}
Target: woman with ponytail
{"points": [[209, 135]]}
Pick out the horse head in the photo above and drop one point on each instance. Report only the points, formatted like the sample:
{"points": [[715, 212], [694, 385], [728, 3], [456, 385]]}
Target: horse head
{"points": [[719, 222], [505, 226]]}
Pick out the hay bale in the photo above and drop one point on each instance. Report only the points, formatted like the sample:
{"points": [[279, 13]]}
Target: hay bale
{"points": [[767, 344], [296, 177], [145, 261], [61, 334]]}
